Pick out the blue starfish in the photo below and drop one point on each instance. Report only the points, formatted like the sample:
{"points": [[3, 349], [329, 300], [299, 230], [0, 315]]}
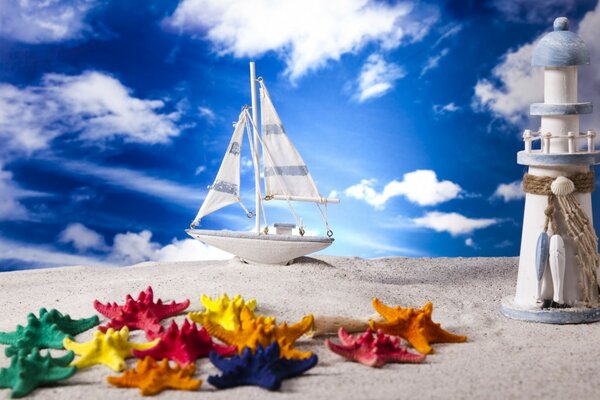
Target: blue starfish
{"points": [[264, 368], [47, 331], [28, 370]]}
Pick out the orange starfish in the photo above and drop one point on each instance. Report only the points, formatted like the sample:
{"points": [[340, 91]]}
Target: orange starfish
{"points": [[262, 331], [414, 325], [153, 377]]}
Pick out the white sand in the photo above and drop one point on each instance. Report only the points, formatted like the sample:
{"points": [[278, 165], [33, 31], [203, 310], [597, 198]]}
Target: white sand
{"points": [[502, 359]]}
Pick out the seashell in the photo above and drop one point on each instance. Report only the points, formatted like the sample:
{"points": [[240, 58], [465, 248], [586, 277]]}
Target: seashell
{"points": [[562, 186], [541, 255]]}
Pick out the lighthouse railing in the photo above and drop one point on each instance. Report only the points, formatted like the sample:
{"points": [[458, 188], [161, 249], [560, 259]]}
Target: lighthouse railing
{"points": [[574, 140]]}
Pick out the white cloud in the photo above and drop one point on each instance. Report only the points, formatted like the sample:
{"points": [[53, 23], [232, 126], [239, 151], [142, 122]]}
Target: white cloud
{"points": [[520, 84], [132, 180], [509, 191], [439, 109], [103, 108], [515, 84], [377, 77], [200, 170], [449, 31], [305, 34], [10, 207], [208, 114], [132, 248], [503, 244], [47, 21], [421, 187], [82, 238], [469, 242], [94, 105], [434, 60], [453, 223], [532, 11], [190, 250], [27, 118], [379, 245], [589, 76], [246, 165], [43, 256], [128, 248]]}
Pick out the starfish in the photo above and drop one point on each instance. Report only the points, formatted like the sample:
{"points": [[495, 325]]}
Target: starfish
{"points": [[153, 377], [373, 351], [29, 370], [110, 348], [223, 311], [47, 331], [142, 313], [414, 325], [184, 346], [260, 331], [265, 368]]}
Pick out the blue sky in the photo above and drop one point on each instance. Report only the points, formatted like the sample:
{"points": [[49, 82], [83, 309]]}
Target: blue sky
{"points": [[114, 117]]}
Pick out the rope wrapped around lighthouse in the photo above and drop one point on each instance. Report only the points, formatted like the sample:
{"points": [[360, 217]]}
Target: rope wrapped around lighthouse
{"points": [[560, 192]]}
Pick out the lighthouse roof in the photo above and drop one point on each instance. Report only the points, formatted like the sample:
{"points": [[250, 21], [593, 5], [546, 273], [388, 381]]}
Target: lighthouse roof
{"points": [[561, 48]]}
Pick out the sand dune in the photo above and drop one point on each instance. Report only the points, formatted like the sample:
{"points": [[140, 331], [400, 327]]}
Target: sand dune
{"points": [[502, 359]]}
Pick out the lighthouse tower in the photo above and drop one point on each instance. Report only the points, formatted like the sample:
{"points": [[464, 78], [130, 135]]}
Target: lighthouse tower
{"points": [[557, 278]]}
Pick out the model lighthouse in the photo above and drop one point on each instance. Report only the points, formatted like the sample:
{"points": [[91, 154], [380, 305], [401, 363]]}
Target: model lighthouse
{"points": [[557, 279]]}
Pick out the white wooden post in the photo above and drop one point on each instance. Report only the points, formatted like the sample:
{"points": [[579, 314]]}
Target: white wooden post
{"points": [[527, 139], [546, 143], [591, 137], [571, 140]]}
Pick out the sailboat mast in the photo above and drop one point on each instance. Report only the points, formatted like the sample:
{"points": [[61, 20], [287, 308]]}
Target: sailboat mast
{"points": [[255, 138]]}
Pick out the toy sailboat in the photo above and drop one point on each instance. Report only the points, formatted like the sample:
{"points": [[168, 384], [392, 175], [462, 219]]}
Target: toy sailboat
{"points": [[286, 178]]}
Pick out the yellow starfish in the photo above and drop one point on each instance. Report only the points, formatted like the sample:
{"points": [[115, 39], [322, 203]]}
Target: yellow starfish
{"points": [[110, 348], [414, 325], [261, 331], [223, 311], [153, 377]]}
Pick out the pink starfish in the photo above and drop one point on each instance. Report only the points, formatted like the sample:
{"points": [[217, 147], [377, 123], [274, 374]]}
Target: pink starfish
{"points": [[142, 313], [185, 346], [372, 350]]}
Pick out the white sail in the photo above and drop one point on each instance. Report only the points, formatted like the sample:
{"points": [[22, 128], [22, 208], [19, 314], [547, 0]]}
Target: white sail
{"points": [[226, 188], [286, 174]]}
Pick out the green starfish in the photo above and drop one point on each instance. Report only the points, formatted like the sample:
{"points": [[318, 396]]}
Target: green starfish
{"points": [[47, 331], [29, 370]]}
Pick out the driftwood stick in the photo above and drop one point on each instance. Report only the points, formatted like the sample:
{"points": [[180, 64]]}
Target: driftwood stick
{"points": [[329, 325]]}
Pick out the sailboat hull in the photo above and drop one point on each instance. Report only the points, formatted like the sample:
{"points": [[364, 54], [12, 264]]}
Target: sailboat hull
{"points": [[261, 248]]}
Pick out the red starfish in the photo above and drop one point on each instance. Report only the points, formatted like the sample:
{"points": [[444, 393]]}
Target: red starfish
{"points": [[185, 346], [372, 350], [142, 313]]}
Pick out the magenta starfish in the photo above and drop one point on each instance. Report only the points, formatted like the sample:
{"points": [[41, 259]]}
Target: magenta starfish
{"points": [[372, 350], [185, 346], [142, 313]]}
